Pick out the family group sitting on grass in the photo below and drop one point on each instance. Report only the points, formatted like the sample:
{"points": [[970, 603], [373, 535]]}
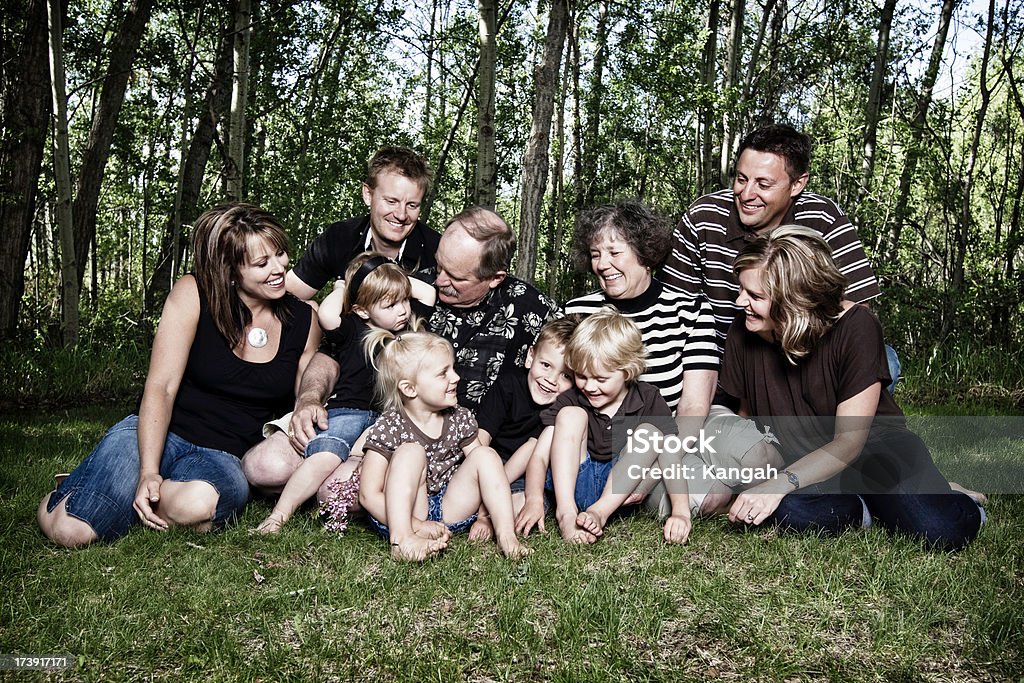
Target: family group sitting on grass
{"points": [[447, 395]]}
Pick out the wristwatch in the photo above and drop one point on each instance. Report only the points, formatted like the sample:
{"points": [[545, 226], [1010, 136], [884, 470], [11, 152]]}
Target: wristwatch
{"points": [[793, 479]]}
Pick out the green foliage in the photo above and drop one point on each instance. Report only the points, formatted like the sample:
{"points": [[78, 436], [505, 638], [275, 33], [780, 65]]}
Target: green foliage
{"points": [[965, 372], [71, 377], [332, 81], [109, 364]]}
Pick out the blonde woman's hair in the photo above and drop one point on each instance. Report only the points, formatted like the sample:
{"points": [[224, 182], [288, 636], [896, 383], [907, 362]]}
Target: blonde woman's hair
{"points": [[399, 359], [802, 282], [607, 339]]}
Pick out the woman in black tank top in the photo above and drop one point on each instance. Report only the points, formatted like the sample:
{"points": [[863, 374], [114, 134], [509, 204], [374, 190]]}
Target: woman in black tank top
{"points": [[226, 358]]}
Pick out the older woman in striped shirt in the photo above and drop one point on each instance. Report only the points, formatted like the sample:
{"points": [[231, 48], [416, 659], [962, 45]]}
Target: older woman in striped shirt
{"points": [[621, 244]]}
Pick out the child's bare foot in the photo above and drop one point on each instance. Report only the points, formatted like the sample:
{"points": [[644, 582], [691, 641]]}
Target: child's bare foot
{"points": [[271, 525], [976, 496], [518, 501], [571, 531], [591, 522], [511, 548], [431, 531], [414, 548], [482, 530], [634, 498]]}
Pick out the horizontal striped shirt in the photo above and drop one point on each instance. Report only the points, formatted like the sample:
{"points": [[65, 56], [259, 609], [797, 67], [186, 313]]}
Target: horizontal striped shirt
{"points": [[707, 240], [678, 330]]}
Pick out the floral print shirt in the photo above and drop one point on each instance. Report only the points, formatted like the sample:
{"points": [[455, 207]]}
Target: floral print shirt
{"points": [[444, 454], [494, 334]]}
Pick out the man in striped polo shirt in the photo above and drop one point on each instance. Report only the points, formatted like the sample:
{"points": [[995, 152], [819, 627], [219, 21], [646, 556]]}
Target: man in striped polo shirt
{"points": [[767, 191]]}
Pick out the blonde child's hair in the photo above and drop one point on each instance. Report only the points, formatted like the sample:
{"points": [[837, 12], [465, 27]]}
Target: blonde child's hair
{"points": [[386, 281], [559, 331], [399, 359], [607, 339]]}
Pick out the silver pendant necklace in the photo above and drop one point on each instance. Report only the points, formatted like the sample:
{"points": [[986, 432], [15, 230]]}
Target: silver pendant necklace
{"points": [[257, 337]]}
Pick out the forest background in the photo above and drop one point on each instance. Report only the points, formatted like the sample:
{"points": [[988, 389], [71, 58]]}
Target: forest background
{"points": [[123, 120]]}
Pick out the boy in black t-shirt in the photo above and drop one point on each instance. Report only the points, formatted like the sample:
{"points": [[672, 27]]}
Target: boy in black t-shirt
{"points": [[509, 415]]}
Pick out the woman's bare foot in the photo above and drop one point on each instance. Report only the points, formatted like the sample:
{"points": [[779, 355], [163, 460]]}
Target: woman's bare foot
{"points": [[415, 548], [271, 525], [976, 496]]}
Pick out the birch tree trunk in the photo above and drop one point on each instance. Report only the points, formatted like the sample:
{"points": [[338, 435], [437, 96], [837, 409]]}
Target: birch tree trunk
{"points": [[755, 52], [965, 221], [535, 161], [732, 68], [27, 103], [709, 72], [1013, 241], [872, 111], [123, 48], [190, 182], [235, 172], [431, 37], [917, 132], [557, 212], [486, 163], [586, 176], [69, 286]]}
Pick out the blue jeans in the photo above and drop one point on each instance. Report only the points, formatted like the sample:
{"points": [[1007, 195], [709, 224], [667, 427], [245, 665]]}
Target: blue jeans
{"points": [[591, 478], [898, 482], [101, 490], [944, 521], [435, 513], [895, 368], [344, 426]]}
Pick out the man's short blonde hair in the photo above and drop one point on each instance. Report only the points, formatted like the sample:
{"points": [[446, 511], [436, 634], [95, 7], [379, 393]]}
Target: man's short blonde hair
{"points": [[610, 340]]}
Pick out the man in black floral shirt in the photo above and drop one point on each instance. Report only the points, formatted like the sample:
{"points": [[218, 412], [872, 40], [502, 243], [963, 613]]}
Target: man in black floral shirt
{"points": [[491, 317]]}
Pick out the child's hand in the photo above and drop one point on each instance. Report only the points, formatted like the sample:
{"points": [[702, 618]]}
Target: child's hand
{"points": [[677, 528], [532, 515]]}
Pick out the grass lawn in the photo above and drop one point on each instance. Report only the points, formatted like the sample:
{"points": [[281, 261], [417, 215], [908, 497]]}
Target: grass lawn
{"points": [[309, 605]]}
